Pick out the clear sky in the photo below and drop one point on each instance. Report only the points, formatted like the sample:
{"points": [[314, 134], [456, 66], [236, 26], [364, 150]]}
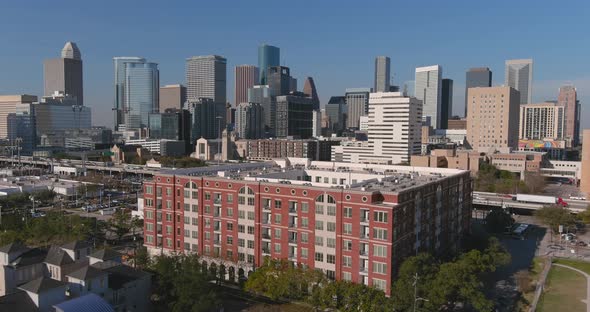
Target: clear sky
{"points": [[335, 42]]}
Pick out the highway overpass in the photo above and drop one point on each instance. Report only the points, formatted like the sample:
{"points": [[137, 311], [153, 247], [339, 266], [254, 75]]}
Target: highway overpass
{"points": [[502, 201]]}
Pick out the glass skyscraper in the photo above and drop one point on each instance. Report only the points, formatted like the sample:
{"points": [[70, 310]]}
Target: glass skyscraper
{"points": [[268, 56], [137, 86]]}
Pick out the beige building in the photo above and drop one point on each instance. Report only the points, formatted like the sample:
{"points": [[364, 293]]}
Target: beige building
{"points": [[520, 162], [541, 121], [449, 158], [492, 123], [8, 105], [585, 181], [172, 97]]}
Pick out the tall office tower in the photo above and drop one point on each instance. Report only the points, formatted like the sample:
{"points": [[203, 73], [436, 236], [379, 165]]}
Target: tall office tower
{"points": [[519, 75], [246, 76], [137, 91], [446, 106], [268, 56], [294, 116], [206, 78], [249, 121], [492, 122], [292, 84], [310, 90], [477, 77], [265, 96], [65, 74], [382, 74], [429, 90], [317, 123], [21, 125], [408, 88], [585, 180], [542, 121], [394, 128], [568, 98], [208, 118], [357, 102], [172, 97], [8, 105], [336, 111], [279, 80]]}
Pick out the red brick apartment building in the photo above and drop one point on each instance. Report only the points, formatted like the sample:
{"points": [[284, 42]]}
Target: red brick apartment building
{"points": [[354, 222]]}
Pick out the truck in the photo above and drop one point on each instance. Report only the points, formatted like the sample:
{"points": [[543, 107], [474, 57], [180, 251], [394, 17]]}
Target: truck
{"points": [[539, 199]]}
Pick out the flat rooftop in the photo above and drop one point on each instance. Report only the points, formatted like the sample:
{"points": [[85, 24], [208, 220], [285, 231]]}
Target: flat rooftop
{"points": [[299, 171]]}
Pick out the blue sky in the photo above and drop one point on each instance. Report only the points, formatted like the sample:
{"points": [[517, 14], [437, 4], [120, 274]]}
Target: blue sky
{"points": [[335, 42]]}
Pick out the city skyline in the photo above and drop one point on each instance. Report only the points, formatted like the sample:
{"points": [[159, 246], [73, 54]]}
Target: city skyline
{"points": [[240, 46]]}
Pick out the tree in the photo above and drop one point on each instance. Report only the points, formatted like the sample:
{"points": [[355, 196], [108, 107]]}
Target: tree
{"points": [[554, 216], [584, 216], [121, 223], [498, 221], [535, 182]]}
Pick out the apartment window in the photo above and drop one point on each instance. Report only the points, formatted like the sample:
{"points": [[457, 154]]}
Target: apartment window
{"points": [[319, 209], [331, 242], [347, 261], [207, 196], [195, 221], [230, 240], [348, 228], [149, 215], [250, 258], [304, 237], [250, 215], [195, 208], [241, 228], [149, 190], [241, 256], [347, 276], [251, 201], [187, 193], [319, 257], [241, 214], [187, 233], [331, 259], [347, 244], [304, 253], [149, 227], [241, 242], [187, 220], [241, 200], [319, 225], [331, 210], [250, 230], [278, 204], [379, 267], [207, 209], [304, 223], [251, 244], [380, 216], [207, 223], [277, 233], [380, 233], [278, 218], [187, 207], [159, 191], [195, 234], [331, 226], [149, 202], [319, 241], [304, 207], [379, 251], [277, 247], [230, 212], [230, 226], [150, 239], [326, 180], [379, 284], [168, 191], [168, 217], [230, 198], [168, 204]]}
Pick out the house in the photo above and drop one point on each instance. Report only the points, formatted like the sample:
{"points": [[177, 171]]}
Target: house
{"points": [[86, 303], [18, 265]]}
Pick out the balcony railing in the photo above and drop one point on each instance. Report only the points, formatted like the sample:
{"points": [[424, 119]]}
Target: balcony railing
{"points": [[293, 240], [292, 256], [217, 242], [364, 236], [363, 252], [363, 270], [292, 225], [217, 201], [265, 236], [216, 228], [266, 207], [292, 210], [266, 250], [216, 213], [265, 221], [364, 219]]}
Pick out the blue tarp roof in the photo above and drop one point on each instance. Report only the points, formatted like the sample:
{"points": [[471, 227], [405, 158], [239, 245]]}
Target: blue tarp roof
{"points": [[86, 303]]}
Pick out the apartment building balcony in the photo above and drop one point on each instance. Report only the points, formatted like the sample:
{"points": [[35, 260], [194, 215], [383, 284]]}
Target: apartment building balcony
{"points": [[292, 256], [217, 242], [363, 270], [265, 236], [364, 236], [292, 225], [217, 201], [364, 253], [266, 250]]}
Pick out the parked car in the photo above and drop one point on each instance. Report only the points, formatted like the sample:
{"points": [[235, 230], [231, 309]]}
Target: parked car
{"points": [[581, 243], [568, 237]]}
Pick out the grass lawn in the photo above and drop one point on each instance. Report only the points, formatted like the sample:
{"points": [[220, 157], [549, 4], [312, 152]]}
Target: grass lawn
{"points": [[580, 265], [564, 291]]}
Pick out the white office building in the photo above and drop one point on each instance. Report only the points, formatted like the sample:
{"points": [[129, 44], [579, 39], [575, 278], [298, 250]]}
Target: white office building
{"points": [[428, 89], [394, 131], [519, 75]]}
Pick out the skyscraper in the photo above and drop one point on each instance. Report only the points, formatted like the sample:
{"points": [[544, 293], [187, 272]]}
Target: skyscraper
{"points": [[137, 91], [294, 116], [65, 74], [249, 121], [310, 90], [264, 95], [268, 56], [208, 118], [172, 97], [8, 104], [206, 78], [382, 74], [446, 106], [246, 76], [519, 75], [357, 102], [568, 98], [492, 123], [477, 77], [541, 121], [279, 80], [336, 112], [429, 90]]}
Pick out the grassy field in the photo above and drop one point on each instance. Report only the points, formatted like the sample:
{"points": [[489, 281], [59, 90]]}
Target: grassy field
{"points": [[580, 265], [564, 291]]}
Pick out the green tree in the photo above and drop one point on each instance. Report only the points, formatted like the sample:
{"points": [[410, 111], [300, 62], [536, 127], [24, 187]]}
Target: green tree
{"points": [[553, 216], [121, 223], [498, 221]]}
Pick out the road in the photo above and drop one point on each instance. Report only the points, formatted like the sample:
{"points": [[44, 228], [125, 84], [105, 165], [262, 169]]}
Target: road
{"points": [[506, 200]]}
